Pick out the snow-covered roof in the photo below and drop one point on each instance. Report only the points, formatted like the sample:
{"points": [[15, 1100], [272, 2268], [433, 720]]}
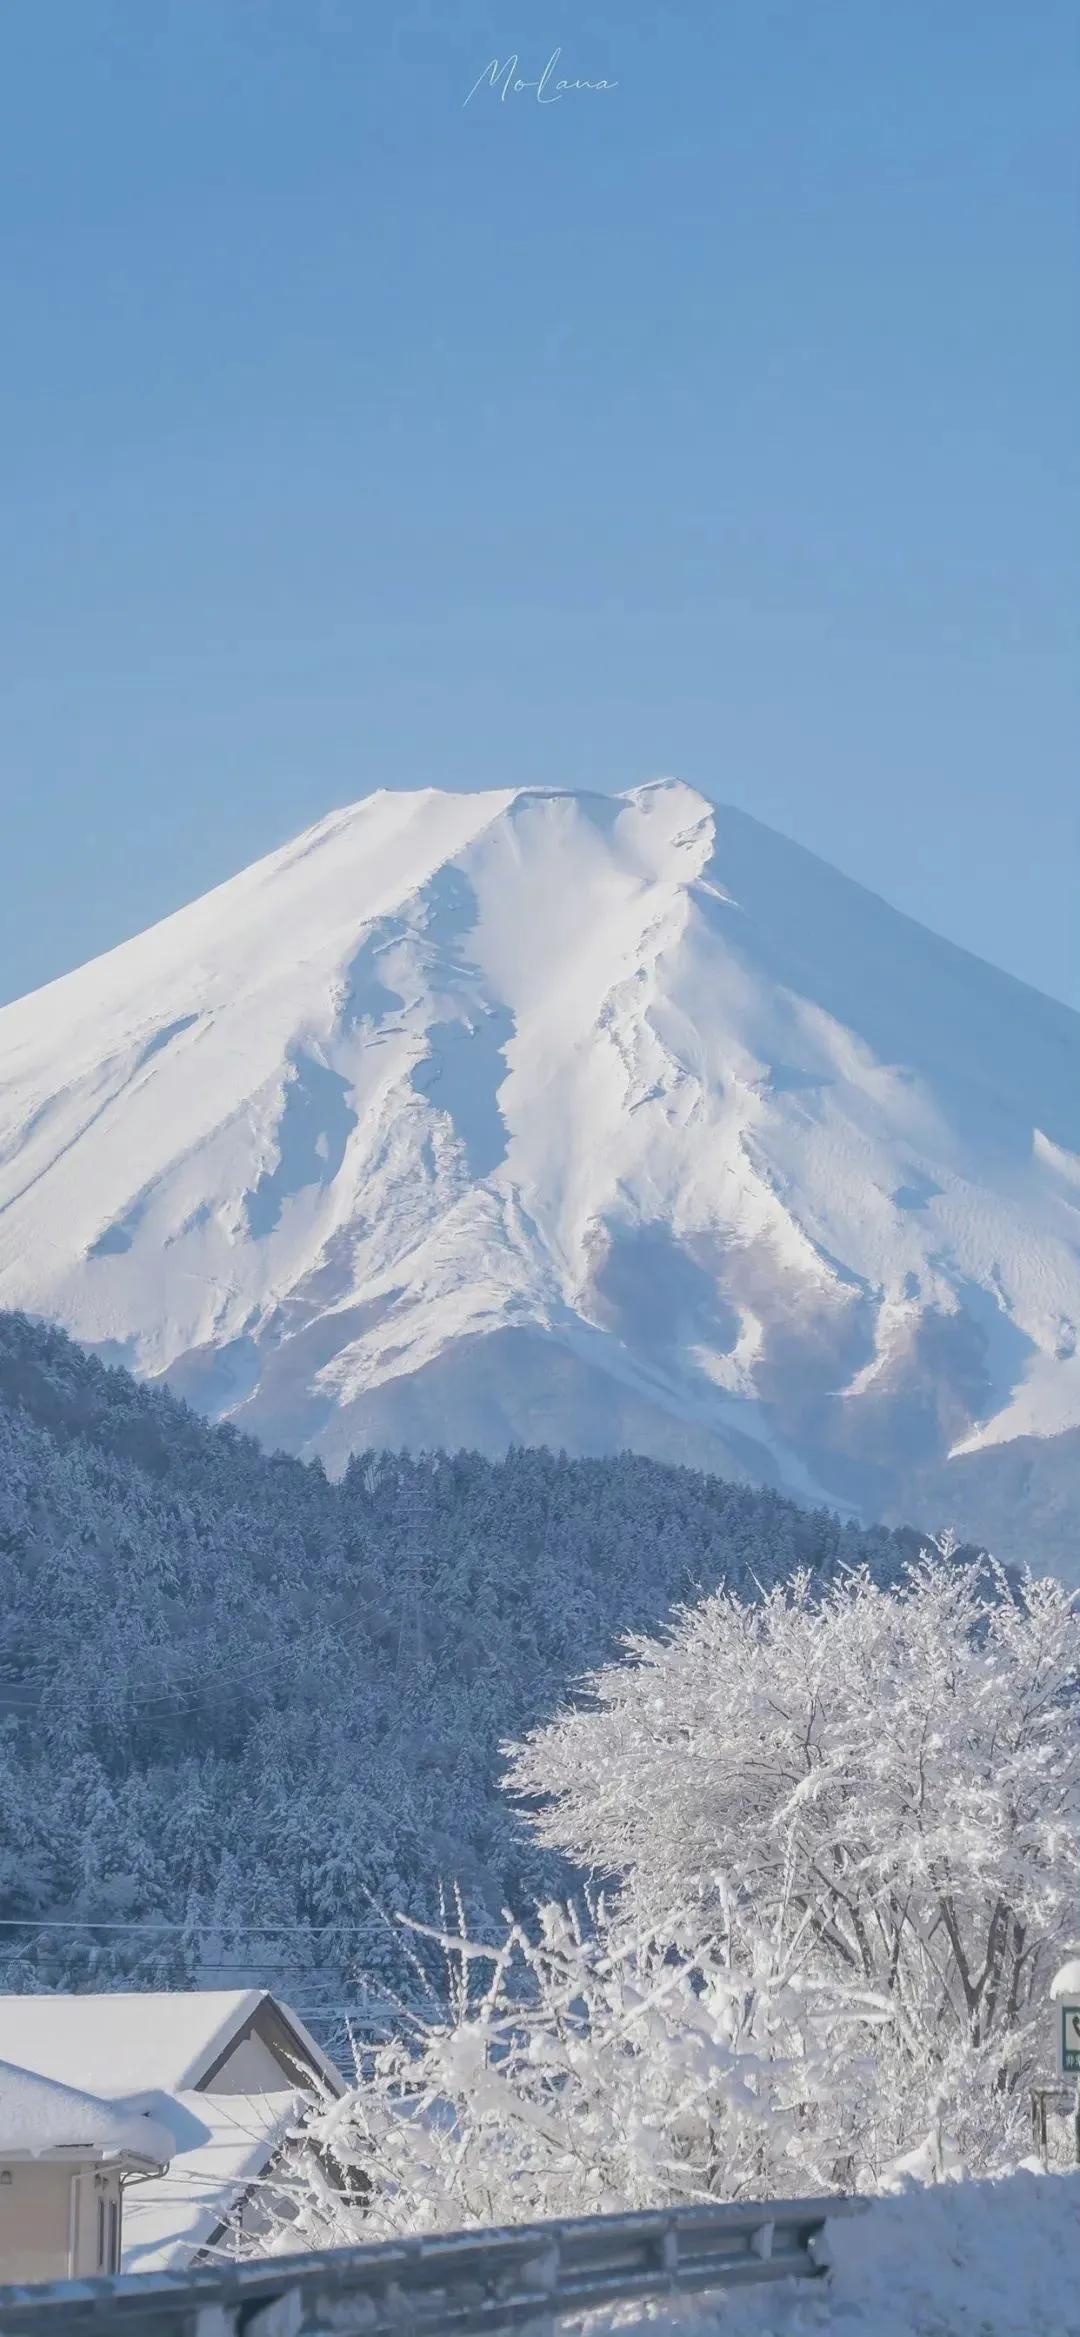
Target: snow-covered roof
{"points": [[231, 2138], [40, 2118], [137, 2043], [152, 2056]]}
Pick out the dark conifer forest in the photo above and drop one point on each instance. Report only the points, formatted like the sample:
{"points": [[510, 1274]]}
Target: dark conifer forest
{"points": [[247, 1714]]}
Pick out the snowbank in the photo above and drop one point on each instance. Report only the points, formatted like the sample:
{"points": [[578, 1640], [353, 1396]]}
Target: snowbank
{"points": [[988, 2259]]}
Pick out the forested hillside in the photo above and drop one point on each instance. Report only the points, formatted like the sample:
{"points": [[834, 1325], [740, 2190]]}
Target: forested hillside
{"points": [[242, 1708]]}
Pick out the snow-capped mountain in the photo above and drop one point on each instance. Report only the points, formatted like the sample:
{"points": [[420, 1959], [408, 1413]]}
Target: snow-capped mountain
{"points": [[579, 1119]]}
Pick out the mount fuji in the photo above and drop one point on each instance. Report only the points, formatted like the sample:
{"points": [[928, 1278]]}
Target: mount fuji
{"points": [[586, 1120]]}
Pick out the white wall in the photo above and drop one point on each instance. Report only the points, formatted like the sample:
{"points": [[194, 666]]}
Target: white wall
{"points": [[252, 2069], [35, 2208], [39, 2217]]}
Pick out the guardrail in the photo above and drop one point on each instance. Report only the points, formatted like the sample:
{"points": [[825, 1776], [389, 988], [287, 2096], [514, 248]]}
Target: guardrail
{"points": [[462, 2285]]}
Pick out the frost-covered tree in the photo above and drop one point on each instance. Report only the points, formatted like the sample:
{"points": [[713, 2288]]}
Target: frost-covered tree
{"points": [[897, 1770]]}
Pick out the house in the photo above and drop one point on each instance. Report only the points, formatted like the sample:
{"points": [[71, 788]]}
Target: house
{"points": [[228, 2075], [64, 2158]]}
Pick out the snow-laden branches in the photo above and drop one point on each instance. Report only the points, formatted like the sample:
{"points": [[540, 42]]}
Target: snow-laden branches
{"points": [[899, 1771], [588, 2068]]}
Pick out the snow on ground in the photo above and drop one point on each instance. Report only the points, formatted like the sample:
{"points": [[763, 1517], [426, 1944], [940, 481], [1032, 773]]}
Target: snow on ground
{"points": [[602, 1120], [964, 2259]]}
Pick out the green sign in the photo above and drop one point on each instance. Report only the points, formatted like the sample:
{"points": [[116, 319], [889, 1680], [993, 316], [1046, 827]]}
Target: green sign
{"points": [[1070, 2039]]}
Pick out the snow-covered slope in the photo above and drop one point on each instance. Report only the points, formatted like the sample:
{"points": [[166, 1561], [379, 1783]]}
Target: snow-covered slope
{"points": [[591, 1120]]}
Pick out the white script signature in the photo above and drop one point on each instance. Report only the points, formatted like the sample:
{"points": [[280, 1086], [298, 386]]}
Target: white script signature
{"points": [[547, 90]]}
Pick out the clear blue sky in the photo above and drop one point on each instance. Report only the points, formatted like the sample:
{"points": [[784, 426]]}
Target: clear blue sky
{"points": [[722, 423]]}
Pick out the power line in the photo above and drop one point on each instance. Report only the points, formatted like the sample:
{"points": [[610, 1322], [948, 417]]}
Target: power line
{"points": [[299, 1930]]}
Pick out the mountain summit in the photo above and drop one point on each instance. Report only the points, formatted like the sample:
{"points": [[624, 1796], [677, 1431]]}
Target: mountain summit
{"points": [[587, 1120]]}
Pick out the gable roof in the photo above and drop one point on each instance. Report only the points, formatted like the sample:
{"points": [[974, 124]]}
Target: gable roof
{"points": [[132, 2043], [40, 2118], [161, 2054], [229, 2142]]}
